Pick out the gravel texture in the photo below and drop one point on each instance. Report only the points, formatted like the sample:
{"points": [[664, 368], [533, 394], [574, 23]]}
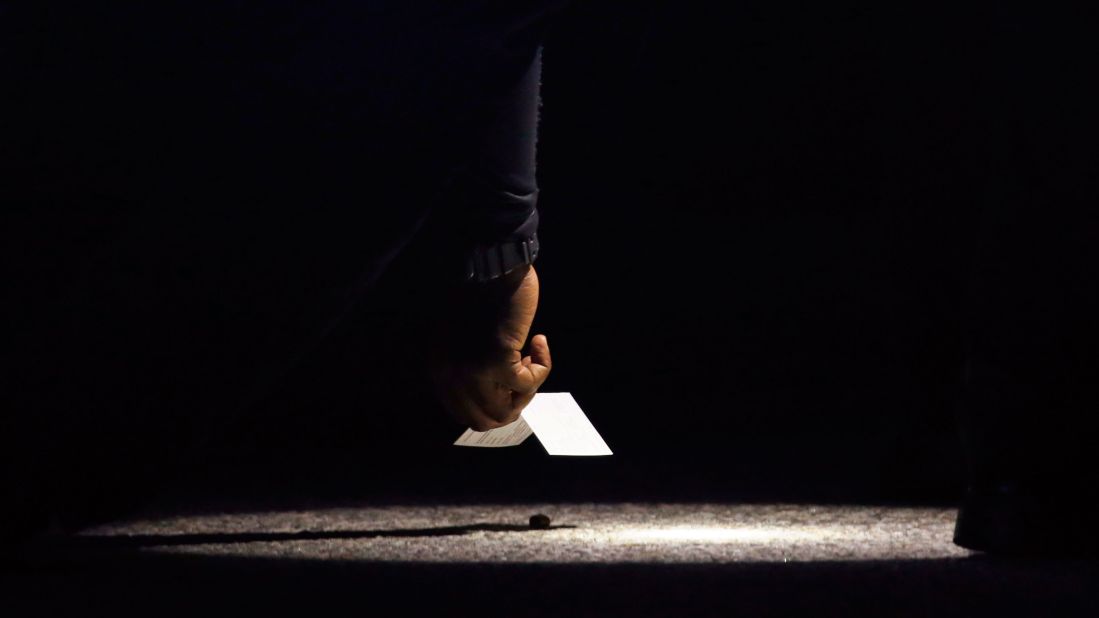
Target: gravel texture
{"points": [[625, 559], [586, 533]]}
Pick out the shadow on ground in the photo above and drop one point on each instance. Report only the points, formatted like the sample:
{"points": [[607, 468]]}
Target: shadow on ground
{"points": [[129, 576], [67, 546]]}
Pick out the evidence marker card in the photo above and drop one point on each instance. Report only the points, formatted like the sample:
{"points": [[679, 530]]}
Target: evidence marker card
{"points": [[555, 419]]}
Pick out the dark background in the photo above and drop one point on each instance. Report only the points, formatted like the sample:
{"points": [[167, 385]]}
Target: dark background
{"points": [[760, 226], [758, 223]]}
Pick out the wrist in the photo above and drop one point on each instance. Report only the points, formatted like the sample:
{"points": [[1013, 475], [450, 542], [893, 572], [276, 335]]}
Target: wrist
{"points": [[487, 263]]}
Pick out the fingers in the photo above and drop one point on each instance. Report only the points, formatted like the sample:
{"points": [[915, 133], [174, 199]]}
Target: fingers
{"points": [[493, 398], [519, 401], [478, 420], [475, 399], [464, 404]]}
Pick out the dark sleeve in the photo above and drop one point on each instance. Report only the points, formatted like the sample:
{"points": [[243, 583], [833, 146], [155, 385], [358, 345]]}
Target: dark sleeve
{"points": [[491, 191]]}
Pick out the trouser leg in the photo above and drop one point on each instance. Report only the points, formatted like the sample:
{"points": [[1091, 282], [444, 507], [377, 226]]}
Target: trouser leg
{"points": [[1032, 341]]}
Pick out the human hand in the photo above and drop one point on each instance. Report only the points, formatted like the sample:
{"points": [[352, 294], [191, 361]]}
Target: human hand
{"points": [[477, 366]]}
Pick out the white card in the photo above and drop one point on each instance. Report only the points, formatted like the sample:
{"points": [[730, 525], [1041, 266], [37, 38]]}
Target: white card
{"points": [[555, 419], [508, 435]]}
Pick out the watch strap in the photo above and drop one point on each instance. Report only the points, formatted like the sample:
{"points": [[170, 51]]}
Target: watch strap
{"points": [[488, 262]]}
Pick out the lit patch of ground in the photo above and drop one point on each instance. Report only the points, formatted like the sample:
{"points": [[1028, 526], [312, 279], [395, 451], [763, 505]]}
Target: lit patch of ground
{"points": [[581, 533]]}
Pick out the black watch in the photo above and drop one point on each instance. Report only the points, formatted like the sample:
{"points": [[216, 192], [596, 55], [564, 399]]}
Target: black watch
{"points": [[488, 262]]}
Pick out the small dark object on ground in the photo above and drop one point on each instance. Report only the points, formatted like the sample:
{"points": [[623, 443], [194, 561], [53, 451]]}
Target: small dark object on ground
{"points": [[539, 521]]}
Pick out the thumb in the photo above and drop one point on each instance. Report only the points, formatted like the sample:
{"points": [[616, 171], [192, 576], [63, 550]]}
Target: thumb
{"points": [[540, 352], [535, 370], [527, 375]]}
